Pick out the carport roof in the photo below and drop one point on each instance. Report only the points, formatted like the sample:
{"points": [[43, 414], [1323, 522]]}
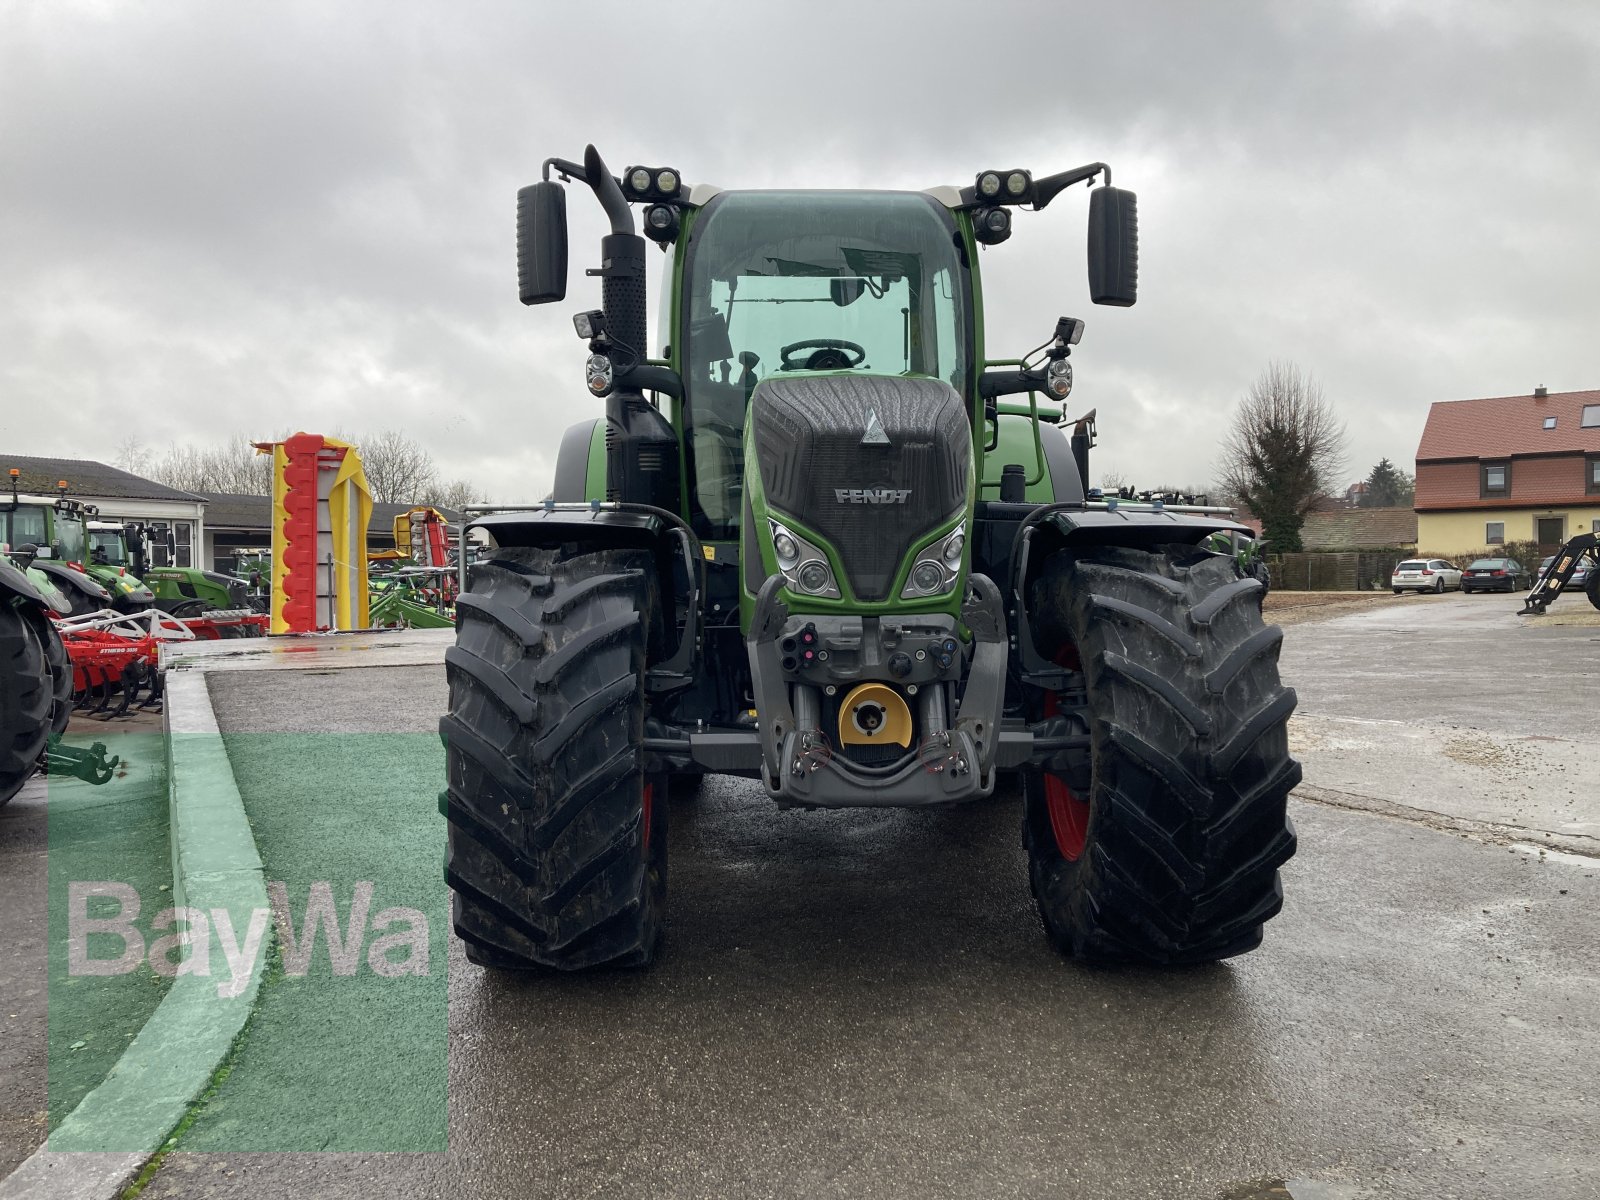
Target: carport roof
{"points": [[1500, 426], [85, 477]]}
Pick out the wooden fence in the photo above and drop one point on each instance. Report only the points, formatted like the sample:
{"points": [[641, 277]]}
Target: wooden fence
{"points": [[1337, 571]]}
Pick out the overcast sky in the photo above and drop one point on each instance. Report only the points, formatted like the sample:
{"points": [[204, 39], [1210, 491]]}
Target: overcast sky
{"points": [[220, 218]]}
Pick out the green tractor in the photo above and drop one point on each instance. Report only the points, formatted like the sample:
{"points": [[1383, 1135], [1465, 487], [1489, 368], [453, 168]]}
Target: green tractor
{"points": [[180, 591], [823, 542], [35, 674], [49, 534]]}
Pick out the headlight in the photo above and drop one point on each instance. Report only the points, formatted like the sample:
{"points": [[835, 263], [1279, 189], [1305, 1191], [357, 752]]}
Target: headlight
{"points": [[1058, 378], [989, 184], [927, 577], [598, 372], [1017, 183], [639, 180], [953, 545], [814, 577], [787, 550], [803, 565], [937, 567], [667, 183]]}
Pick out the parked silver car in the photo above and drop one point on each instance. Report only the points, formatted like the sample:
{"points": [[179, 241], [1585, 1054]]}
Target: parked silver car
{"points": [[1425, 575], [1580, 574]]}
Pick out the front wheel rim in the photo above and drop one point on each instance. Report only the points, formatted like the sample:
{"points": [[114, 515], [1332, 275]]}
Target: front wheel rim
{"points": [[1069, 817]]}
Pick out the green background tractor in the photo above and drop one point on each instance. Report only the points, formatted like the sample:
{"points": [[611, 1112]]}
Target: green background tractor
{"points": [[50, 534], [35, 677], [181, 591], [822, 541]]}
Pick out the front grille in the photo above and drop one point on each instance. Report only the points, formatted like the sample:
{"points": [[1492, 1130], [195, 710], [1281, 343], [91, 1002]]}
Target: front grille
{"points": [[808, 437]]}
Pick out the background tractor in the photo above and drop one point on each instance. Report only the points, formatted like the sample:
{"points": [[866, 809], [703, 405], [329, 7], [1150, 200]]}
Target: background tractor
{"points": [[821, 540], [182, 591], [35, 677], [49, 535]]}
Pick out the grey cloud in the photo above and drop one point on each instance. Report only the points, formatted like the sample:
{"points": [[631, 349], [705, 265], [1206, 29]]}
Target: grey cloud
{"points": [[300, 215]]}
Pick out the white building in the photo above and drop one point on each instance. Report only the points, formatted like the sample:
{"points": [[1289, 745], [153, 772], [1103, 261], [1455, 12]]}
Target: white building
{"points": [[120, 496]]}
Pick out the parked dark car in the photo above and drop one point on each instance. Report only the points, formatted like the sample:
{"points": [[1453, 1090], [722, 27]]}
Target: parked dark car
{"points": [[1580, 575], [1494, 575]]}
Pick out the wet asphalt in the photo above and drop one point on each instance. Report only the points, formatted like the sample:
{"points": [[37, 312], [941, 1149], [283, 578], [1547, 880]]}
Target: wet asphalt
{"points": [[863, 1004]]}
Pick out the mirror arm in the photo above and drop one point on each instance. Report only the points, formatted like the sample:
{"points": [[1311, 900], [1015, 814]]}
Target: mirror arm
{"points": [[650, 377], [1048, 188], [567, 170], [1008, 383], [608, 191]]}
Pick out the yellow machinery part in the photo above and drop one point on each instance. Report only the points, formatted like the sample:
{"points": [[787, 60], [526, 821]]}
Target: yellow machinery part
{"points": [[895, 725]]}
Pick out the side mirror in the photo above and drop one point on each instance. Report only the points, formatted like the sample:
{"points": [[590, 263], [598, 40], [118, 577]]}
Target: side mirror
{"points": [[846, 289], [542, 243], [1113, 247]]}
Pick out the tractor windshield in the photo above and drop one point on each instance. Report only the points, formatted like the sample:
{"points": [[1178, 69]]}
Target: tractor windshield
{"points": [[809, 281], [105, 547], [23, 526], [71, 537]]}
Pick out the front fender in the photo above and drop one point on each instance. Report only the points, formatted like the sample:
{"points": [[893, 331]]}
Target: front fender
{"points": [[70, 578], [14, 583], [680, 559]]}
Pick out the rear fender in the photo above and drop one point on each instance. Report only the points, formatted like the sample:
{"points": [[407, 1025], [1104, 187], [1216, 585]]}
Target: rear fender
{"points": [[679, 558]]}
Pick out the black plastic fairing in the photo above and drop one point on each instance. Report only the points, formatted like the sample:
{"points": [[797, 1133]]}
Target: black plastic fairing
{"points": [[869, 497]]}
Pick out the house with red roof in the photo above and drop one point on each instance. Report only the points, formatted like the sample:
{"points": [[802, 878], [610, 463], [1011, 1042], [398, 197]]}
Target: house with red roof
{"points": [[1508, 469]]}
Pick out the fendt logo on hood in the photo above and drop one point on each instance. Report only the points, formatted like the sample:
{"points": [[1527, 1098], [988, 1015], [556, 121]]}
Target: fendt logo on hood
{"points": [[871, 495]]}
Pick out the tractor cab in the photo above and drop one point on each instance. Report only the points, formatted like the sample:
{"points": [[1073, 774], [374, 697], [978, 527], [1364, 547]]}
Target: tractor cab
{"points": [[779, 285], [107, 546]]}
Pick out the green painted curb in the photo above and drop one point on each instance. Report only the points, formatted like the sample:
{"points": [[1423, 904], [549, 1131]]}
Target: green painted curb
{"points": [[172, 1060]]}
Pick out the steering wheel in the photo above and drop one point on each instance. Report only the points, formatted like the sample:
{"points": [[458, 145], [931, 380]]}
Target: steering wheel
{"points": [[828, 354]]}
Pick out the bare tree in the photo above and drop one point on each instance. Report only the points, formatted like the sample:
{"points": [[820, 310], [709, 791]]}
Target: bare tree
{"points": [[1284, 452], [454, 494], [133, 455], [398, 469], [234, 467]]}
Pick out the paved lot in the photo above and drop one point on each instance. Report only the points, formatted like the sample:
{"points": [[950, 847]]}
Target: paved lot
{"points": [[1457, 708], [861, 1004]]}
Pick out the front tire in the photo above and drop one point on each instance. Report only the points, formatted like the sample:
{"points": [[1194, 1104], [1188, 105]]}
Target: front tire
{"points": [[26, 699], [59, 667], [1591, 586], [1166, 848], [557, 838]]}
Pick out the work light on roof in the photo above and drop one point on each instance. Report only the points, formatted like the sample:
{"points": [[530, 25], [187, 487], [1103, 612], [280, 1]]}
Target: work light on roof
{"points": [[661, 223], [652, 183], [991, 225]]}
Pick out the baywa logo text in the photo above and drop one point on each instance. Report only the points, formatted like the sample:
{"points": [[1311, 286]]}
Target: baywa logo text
{"points": [[872, 495], [400, 947]]}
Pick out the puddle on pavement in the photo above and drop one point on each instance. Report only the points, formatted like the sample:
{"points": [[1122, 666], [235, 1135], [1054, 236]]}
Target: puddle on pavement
{"points": [[1290, 1189], [1560, 856]]}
